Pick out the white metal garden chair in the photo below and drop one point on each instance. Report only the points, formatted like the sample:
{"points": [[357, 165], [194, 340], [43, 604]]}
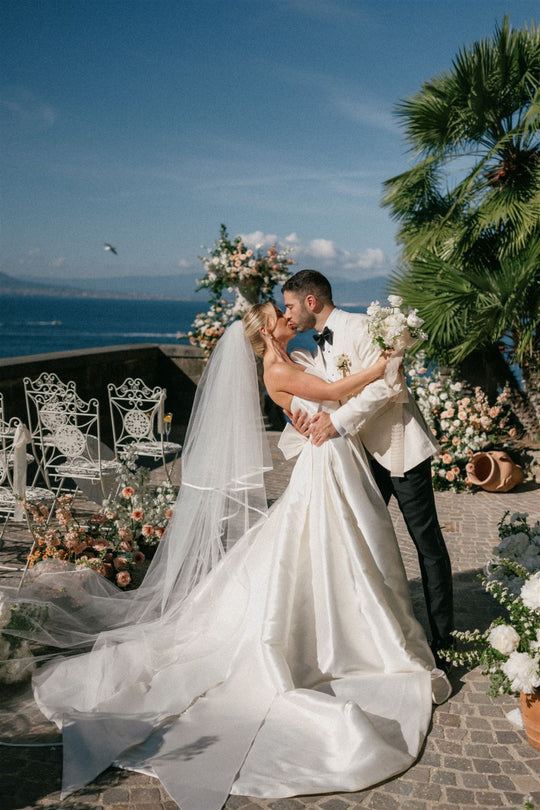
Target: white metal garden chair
{"points": [[46, 397], [139, 421], [74, 448]]}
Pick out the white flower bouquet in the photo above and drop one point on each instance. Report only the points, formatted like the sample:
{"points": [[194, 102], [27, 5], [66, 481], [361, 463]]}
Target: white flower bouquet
{"points": [[509, 649], [394, 327]]}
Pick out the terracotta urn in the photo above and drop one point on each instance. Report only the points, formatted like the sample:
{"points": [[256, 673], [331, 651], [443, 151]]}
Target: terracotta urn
{"points": [[494, 471], [530, 713]]}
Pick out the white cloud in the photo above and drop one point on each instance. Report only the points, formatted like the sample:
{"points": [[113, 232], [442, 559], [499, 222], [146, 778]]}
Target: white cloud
{"points": [[370, 114], [326, 9], [322, 248], [324, 255], [259, 240], [25, 108]]}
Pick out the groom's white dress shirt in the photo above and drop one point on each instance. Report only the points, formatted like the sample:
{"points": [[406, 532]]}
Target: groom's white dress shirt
{"points": [[371, 413]]}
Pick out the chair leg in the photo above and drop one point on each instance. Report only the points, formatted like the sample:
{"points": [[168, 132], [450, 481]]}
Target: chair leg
{"points": [[2, 532], [27, 565]]}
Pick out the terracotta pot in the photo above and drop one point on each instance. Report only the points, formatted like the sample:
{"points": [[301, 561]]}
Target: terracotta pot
{"points": [[530, 713], [494, 471]]}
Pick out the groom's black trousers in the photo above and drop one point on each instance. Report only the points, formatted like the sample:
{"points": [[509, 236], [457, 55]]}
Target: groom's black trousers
{"points": [[414, 494]]}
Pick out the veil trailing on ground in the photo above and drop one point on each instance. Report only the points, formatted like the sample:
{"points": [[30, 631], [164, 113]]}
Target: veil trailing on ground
{"points": [[221, 497]]}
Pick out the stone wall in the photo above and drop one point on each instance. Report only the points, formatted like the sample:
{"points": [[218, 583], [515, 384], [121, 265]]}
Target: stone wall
{"points": [[172, 366]]}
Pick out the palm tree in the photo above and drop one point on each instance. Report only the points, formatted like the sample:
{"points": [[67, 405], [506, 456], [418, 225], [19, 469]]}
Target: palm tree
{"points": [[475, 134], [482, 318], [469, 209]]}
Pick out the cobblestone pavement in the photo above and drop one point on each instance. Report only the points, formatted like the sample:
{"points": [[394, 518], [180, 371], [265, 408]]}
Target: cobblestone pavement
{"points": [[473, 757]]}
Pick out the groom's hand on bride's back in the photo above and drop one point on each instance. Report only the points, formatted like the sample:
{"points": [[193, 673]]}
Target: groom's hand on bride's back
{"points": [[299, 420]]}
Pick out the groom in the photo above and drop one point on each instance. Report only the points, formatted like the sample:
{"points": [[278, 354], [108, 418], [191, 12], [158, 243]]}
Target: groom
{"points": [[308, 305]]}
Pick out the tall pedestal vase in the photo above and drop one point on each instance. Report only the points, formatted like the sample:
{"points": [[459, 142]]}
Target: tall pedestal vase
{"points": [[530, 713]]}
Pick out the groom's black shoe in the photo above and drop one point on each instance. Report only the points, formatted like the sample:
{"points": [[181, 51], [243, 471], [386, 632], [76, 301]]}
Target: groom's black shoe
{"points": [[437, 647]]}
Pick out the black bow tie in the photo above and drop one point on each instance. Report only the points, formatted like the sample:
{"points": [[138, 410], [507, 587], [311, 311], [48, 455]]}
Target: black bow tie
{"points": [[326, 334]]}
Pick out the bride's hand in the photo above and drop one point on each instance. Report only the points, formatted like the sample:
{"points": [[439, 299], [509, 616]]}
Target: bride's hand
{"points": [[379, 367]]}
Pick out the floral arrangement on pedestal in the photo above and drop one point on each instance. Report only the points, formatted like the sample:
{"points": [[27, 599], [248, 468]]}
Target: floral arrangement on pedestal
{"points": [[118, 538], [16, 657], [234, 268], [509, 650], [463, 423]]}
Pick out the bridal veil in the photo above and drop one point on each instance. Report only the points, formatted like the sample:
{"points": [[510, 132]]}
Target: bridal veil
{"points": [[222, 495]]}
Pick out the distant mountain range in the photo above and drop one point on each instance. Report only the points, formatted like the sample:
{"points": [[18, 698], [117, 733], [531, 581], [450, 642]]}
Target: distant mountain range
{"points": [[181, 287]]}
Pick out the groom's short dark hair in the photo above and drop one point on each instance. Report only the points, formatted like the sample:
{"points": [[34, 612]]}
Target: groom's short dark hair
{"points": [[309, 282]]}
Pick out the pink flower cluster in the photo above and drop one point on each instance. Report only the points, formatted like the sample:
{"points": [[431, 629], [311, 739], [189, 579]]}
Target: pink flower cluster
{"points": [[98, 543], [462, 423]]}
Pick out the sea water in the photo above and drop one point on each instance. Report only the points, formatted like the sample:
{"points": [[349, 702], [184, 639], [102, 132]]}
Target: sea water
{"points": [[43, 324]]}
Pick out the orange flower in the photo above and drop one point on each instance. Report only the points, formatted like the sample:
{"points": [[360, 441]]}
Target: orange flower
{"points": [[128, 492], [137, 514]]}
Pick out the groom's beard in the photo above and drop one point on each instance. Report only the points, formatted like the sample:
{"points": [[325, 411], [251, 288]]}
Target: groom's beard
{"points": [[304, 323]]}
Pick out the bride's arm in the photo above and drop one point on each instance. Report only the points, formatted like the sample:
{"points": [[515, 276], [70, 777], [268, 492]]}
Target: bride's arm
{"points": [[283, 379]]}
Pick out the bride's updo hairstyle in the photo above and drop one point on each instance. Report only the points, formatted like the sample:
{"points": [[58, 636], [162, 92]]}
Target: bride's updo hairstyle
{"points": [[259, 316]]}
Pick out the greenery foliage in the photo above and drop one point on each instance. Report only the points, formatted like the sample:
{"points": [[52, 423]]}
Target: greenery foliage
{"points": [[469, 212]]}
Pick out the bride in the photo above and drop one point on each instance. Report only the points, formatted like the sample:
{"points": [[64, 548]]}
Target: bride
{"points": [[266, 654]]}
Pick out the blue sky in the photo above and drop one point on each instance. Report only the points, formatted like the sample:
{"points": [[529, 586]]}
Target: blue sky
{"points": [[147, 123]]}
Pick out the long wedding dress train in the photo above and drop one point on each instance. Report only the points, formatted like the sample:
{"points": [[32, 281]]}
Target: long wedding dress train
{"points": [[296, 665]]}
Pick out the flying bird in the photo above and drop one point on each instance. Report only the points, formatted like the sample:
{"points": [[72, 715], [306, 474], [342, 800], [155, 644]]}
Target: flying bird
{"points": [[111, 248]]}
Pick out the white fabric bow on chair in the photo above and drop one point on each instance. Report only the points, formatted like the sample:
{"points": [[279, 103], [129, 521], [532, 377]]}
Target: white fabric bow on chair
{"points": [[22, 438]]}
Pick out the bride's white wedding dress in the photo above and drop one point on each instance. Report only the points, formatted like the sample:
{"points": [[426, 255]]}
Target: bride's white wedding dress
{"points": [[296, 665]]}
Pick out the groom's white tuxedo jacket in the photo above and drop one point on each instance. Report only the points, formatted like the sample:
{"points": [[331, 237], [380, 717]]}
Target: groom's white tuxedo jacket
{"points": [[371, 413]]}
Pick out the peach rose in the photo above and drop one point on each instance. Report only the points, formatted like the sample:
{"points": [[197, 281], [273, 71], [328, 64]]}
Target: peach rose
{"points": [[123, 579]]}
